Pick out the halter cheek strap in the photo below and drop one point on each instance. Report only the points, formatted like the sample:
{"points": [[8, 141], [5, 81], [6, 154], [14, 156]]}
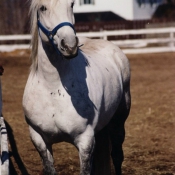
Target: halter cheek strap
{"points": [[50, 34]]}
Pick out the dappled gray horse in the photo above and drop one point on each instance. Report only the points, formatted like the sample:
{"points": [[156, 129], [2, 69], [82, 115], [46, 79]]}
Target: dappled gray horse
{"points": [[79, 95]]}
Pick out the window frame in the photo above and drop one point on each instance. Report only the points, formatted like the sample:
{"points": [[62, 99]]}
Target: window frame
{"points": [[87, 2]]}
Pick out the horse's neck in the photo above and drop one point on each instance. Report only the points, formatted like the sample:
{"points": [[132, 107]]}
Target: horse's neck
{"points": [[50, 65], [57, 71]]}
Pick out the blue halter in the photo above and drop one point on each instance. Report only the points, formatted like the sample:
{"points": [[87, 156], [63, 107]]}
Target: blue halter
{"points": [[50, 34]]}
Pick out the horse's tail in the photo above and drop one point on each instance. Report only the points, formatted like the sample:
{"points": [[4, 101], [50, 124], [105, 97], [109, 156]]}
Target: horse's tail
{"points": [[102, 154]]}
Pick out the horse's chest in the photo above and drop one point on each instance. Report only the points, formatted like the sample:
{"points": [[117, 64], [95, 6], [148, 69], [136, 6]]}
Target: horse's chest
{"points": [[56, 112]]}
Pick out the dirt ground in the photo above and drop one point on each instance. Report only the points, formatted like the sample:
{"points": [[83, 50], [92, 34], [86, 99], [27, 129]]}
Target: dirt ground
{"points": [[150, 129]]}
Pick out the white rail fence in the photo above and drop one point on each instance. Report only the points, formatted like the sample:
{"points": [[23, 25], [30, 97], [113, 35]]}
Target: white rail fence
{"points": [[4, 158], [156, 40]]}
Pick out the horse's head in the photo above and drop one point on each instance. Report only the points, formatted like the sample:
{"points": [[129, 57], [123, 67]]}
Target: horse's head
{"points": [[55, 23]]}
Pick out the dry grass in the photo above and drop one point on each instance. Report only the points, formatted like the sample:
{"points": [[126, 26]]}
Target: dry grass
{"points": [[150, 139]]}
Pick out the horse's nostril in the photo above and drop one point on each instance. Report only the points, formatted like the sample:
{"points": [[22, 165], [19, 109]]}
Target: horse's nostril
{"points": [[63, 43], [66, 47], [77, 40]]}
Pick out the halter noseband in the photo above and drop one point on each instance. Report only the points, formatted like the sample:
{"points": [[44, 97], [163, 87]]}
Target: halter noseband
{"points": [[50, 34]]}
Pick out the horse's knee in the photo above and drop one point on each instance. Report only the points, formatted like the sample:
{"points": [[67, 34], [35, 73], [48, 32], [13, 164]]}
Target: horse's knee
{"points": [[85, 144], [45, 152]]}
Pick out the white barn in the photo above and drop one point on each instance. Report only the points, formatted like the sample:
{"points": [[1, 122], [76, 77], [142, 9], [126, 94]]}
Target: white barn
{"points": [[127, 9]]}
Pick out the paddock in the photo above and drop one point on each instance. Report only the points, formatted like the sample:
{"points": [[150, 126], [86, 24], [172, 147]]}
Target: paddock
{"points": [[149, 144]]}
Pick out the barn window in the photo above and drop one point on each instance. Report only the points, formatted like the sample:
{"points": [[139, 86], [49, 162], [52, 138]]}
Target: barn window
{"points": [[151, 2], [82, 2]]}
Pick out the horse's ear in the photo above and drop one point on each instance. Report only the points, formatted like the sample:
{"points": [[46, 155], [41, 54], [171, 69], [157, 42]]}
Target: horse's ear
{"points": [[72, 4]]}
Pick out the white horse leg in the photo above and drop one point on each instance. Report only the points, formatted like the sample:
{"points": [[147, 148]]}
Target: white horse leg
{"points": [[85, 144], [117, 131], [45, 152]]}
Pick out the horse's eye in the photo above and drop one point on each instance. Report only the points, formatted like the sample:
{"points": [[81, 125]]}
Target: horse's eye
{"points": [[72, 4], [43, 8]]}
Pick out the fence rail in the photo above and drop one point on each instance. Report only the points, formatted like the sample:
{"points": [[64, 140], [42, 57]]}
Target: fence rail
{"points": [[150, 40]]}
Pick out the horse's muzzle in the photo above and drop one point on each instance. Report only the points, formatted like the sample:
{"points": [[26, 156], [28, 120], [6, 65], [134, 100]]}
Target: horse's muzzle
{"points": [[68, 51]]}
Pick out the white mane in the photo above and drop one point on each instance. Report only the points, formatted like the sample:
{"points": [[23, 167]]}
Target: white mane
{"points": [[34, 6]]}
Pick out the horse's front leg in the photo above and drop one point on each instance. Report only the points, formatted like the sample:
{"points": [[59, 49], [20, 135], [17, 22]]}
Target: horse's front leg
{"points": [[85, 144], [45, 152]]}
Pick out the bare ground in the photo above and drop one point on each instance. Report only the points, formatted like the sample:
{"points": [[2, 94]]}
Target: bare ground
{"points": [[150, 129]]}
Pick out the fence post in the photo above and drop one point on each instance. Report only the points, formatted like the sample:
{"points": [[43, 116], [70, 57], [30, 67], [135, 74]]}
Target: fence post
{"points": [[104, 34], [0, 98], [4, 153], [4, 149], [0, 123]]}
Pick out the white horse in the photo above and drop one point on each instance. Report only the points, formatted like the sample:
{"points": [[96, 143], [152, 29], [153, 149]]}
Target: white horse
{"points": [[79, 95]]}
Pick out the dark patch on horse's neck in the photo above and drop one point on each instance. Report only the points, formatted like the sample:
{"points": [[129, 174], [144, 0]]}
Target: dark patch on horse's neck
{"points": [[51, 53]]}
